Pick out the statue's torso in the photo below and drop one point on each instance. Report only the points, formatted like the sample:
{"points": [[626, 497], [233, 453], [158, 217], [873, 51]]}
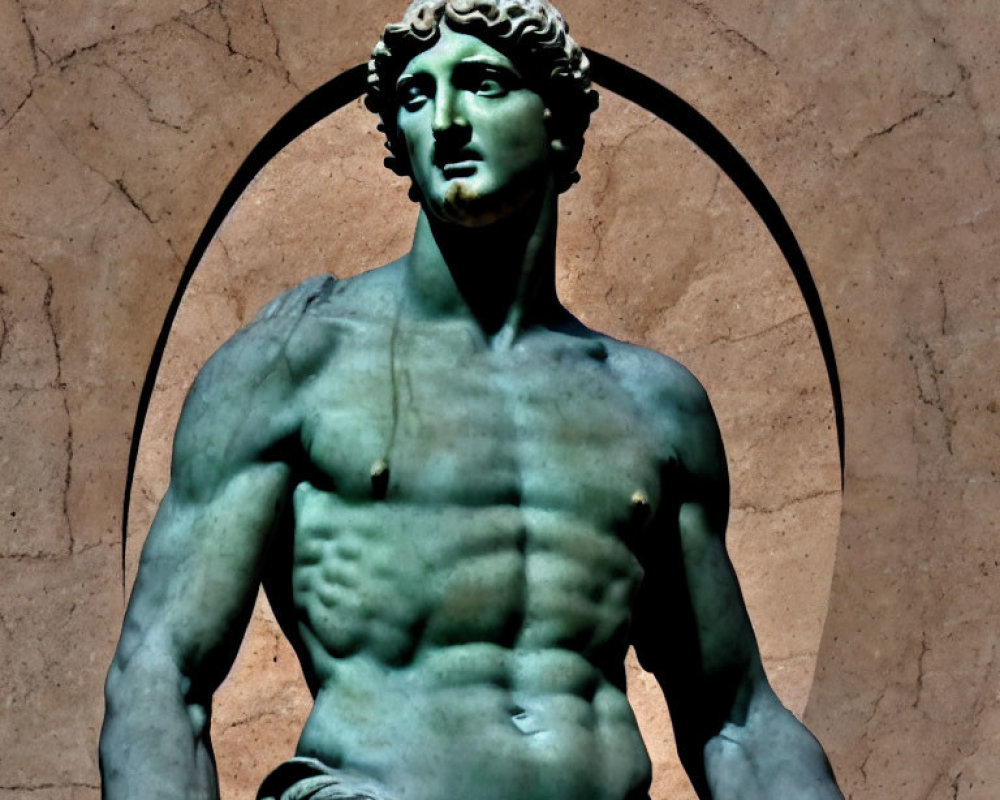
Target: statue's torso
{"points": [[465, 621]]}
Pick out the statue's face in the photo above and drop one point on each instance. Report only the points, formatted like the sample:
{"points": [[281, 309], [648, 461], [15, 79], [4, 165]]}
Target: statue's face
{"points": [[475, 134]]}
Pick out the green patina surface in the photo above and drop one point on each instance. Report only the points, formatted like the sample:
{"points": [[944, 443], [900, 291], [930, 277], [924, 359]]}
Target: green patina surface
{"points": [[464, 506]]}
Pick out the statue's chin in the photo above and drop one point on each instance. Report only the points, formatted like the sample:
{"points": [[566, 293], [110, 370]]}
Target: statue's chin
{"points": [[462, 205]]}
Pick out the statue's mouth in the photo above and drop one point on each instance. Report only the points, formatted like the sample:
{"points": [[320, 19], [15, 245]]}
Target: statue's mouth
{"points": [[459, 169], [456, 162]]}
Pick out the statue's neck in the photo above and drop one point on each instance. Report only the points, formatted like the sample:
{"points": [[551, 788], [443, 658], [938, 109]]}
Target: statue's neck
{"points": [[501, 276]]}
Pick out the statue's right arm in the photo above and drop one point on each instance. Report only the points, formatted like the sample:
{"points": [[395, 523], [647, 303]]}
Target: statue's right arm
{"points": [[199, 573]]}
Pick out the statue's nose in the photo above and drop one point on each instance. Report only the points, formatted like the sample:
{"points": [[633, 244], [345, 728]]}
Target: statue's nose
{"points": [[448, 114]]}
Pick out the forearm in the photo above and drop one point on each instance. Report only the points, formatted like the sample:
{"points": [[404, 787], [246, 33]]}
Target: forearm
{"points": [[155, 743], [770, 755]]}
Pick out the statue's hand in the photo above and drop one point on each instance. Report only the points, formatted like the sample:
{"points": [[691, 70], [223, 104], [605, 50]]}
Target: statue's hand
{"points": [[771, 756]]}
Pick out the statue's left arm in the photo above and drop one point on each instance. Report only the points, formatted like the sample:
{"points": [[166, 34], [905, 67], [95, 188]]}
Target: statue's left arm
{"points": [[691, 629]]}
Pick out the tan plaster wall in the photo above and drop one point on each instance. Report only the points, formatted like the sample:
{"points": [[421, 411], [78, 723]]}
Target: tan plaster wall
{"points": [[875, 125]]}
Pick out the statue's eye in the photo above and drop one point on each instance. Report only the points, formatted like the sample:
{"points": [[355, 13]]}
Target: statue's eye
{"points": [[491, 87], [485, 80], [411, 93]]}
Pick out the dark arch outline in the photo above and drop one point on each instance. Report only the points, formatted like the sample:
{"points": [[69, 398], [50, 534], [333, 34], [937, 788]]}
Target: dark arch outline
{"points": [[613, 75]]}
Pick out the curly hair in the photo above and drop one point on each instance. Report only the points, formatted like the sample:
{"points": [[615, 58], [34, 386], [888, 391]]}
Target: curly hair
{"points": [[531, 33]]}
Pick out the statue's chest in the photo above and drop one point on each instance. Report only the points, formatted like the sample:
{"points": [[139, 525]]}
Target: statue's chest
{"points": [[436, 420]]}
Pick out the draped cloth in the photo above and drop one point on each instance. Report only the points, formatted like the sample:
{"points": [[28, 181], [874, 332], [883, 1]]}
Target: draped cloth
{"points": [[310, 779]]}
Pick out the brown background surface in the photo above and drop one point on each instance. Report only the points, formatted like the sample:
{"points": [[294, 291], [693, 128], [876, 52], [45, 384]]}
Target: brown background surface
{"points": [[876, 127]]}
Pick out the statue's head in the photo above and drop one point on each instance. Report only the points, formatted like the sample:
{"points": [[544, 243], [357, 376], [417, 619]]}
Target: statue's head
{"points": [[528, 35]]}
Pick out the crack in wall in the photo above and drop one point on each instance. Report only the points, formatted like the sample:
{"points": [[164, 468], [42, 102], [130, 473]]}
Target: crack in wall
{"points": [[35, 50], [63, 62], [41, 787], [596, 225], [936, 100], [118, 183], [237, 298], [925, 373], [867, 735], [221, 9], [115, 184], [56, 558], [32, 40], [62, 387], [8, 631], [277, 46], [283, 72], [248, 720], [725, 29], [615, 148], [183, 18], [944, 308], [150, 114], [758, 509], [728, 338], [954, 786], [132, 201], [797, 655], [715, 191], [986, 695], [19, 106], [920, 669], [732, 33], [901, 121]]}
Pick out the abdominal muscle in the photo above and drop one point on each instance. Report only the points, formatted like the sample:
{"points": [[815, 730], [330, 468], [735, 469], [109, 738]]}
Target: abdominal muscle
{"points": [[466, 654], [481, 722]]}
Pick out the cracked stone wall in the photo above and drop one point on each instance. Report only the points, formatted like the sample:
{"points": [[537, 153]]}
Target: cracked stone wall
{"points": [[875, 126]]}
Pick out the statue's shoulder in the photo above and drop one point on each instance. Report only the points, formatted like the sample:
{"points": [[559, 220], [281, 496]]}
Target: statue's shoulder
{"points": [[247, 390], [296, 301], [654, 377], [256, 348], [374, 294], [676, 406], [304, 327]]}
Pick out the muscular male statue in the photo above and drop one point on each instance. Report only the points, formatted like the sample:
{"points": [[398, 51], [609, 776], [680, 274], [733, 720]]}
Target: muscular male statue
{"points": [[463, 504]]}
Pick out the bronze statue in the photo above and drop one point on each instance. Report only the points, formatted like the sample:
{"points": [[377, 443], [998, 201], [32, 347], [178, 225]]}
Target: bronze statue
{"points": [[463, 504]]}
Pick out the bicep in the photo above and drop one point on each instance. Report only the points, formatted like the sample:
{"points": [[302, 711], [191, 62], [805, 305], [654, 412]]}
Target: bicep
{"points": [[726, 641], [692, 632], [199, 573], [691, 628], [201, 563]]}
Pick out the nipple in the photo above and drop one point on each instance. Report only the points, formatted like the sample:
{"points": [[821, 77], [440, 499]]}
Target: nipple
{"points": [[640, 505], [380, 478]]}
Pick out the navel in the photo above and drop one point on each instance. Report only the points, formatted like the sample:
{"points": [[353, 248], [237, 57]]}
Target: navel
{"points": [[597, 351]]}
